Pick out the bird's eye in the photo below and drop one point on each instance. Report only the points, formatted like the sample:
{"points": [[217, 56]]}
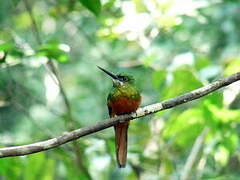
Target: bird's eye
{"points": [[123, 78]]}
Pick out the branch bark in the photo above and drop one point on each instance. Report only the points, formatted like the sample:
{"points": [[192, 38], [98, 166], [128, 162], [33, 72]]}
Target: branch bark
{"points": [[150, 109]]}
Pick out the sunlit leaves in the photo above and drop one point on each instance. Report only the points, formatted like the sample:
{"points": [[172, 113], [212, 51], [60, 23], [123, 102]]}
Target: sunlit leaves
{"points": [[93, 5], [23, 20], [146, 36], [186, 126], [230, 140], [224, 115], [140, 7], [221, 155], [167, 21], [232, 66]]}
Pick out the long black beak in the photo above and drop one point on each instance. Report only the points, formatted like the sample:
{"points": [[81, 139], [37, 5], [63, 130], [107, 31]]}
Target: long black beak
{"points": [[108, 73]]}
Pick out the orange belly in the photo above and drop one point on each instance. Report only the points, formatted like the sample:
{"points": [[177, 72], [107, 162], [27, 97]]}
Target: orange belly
{"points": [[124, 105]]}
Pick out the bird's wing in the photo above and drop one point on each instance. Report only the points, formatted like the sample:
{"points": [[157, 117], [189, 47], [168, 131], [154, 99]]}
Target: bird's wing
{"points": [[110, 111]]}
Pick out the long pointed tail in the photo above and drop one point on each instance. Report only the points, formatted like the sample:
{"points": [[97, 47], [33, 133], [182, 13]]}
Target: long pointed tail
{"points": [[121, 143]]}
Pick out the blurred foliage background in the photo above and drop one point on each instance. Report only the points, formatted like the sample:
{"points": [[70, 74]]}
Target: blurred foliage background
{"points": [[49, 84]]}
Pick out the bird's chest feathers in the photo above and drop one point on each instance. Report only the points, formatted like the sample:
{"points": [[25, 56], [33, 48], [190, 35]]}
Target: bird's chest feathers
{"points": [[124, 100]]}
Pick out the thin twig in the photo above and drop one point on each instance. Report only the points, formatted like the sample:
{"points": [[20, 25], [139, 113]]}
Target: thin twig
{"points": [[53, 71], [201, 166], [150, 109], [52, 67], [193, 155], [34, 23]]}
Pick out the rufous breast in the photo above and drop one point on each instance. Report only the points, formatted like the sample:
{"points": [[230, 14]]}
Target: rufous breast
{"points": [[124, 105]]}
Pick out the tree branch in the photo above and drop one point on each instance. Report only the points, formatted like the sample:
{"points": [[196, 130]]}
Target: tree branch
{"points": [[150, 109]]}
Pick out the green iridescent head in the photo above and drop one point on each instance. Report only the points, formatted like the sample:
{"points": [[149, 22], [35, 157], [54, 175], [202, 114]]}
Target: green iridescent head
{"points": [[119, 79]]}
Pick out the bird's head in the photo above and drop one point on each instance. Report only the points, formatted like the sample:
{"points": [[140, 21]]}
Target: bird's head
{"points": [[119, 79]]}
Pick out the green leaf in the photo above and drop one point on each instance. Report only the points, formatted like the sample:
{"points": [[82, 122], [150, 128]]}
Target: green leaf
{"points": [[10, 168], [140, 6], [58, 52], [221, 155], [49, 169], [72, 172], [222, 114], [147, 61], [93, 5], [215, 98], [209, 117], [11, 49], [22, 20], [202, 63], [16, 52], [232, 67], [230, 142], [183, 81], [6, 46], [35, 164], [158, 78], [190, 121], [142, 138]]}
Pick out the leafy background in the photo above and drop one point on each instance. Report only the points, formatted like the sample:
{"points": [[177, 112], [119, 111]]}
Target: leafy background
{"points": [[170, 46]]}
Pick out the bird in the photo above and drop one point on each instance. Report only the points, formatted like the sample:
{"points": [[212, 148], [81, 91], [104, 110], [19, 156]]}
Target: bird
{"points": [[124, 98]]}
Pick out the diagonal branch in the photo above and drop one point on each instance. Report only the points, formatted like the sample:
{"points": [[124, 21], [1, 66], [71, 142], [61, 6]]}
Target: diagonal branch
{"points": [[150, 109]]}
